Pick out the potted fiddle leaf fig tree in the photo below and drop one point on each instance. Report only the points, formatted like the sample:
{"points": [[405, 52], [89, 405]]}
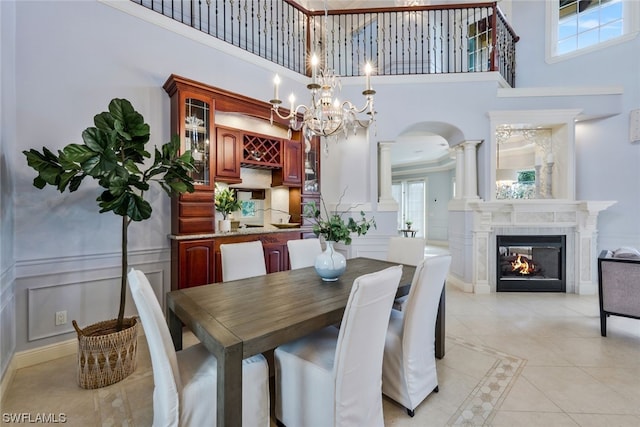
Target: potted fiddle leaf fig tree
{"points": [[113, 154]]}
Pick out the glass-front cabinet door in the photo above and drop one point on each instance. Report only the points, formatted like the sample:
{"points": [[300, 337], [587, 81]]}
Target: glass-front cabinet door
{"points": [[196, 137], [311, 166], [195, 125]]}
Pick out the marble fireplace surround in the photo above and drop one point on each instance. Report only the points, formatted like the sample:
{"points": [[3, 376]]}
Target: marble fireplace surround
{"points": [[577, 220]]}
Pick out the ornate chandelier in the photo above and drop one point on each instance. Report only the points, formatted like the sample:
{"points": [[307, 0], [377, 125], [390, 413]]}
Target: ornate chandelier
{"points": [[325, 115]]}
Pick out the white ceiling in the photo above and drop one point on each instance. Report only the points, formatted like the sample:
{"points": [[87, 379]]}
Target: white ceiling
{"points": [[418, 149]]}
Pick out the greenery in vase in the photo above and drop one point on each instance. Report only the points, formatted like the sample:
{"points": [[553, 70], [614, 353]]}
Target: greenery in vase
{"points": [[226, 201], [332, 226], [408, 224], [111, 154]]}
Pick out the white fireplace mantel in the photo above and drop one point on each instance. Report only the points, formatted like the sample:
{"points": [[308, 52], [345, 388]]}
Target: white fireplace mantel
{"points": [[575, 219]]}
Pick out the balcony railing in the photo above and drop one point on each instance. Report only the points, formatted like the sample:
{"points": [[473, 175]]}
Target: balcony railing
{"points": [[467, 38]]}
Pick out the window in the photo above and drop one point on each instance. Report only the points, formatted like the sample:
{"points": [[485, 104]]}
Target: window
{"points": [[479, 39], [583, 23], [411, 199], [578, 25]]}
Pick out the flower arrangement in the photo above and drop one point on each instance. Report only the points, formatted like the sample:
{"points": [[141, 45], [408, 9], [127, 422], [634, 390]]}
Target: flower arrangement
{"points": [[333, 227], [408, 224], [226, 201]]}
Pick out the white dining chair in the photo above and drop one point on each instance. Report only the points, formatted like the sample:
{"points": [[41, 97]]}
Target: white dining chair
{"points": [[185, 382], [303, 252], [242, 260], [405, 250], [409, 367], [333, 376]]}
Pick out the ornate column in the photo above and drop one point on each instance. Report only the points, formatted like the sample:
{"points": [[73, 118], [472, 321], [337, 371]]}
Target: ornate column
{"points": [[385, 199], [458, 154], [470, 169]]}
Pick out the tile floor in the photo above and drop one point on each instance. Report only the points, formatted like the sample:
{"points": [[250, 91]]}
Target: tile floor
{"points": [[512, 359]]}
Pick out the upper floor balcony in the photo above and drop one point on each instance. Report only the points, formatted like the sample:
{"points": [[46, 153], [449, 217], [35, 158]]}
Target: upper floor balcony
{"points": [[436, 39]]}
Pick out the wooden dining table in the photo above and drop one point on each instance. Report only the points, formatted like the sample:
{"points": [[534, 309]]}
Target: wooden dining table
{"points": [[238, 319]]}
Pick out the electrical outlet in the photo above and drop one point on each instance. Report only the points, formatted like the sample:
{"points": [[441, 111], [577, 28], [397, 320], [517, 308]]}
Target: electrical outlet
{"points": [[61, 317]]}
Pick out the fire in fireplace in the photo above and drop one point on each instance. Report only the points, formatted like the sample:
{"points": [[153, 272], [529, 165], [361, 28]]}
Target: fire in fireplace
{"points": [[531, 264]]}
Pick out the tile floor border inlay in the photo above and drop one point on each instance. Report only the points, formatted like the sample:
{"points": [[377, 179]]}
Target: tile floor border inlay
{"points": [[479, 407]]}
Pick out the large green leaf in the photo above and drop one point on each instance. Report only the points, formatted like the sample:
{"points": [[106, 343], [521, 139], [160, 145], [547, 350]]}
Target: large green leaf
{"points": [[95, 139], [139, 209], [47, 166], [104, 121], [119, 108]]}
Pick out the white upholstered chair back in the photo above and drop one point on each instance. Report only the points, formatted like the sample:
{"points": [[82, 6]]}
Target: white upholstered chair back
{"points": [[242, 260], [357, 367], [166, 373], [303, 252], [421, 308], [332, 377], [186, 381], [406, 250], [409, 370]]}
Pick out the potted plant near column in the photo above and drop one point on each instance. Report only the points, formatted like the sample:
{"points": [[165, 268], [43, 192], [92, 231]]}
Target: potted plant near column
{"points": [[333, 228], [112, 152], [226, 202]]}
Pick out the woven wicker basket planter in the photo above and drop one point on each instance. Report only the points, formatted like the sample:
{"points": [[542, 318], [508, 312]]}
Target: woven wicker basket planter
{"points": [[106, 356]]}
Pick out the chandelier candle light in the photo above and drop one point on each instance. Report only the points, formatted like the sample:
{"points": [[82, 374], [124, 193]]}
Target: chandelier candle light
{"points": [[325, 115]]}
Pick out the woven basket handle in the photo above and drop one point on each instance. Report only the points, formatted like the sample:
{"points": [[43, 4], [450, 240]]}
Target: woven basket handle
{"points": [[77, 328]]}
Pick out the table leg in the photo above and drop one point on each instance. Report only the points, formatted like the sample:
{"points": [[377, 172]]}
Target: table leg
{"points": [[175, 328], [440, 330], [229, 389]]}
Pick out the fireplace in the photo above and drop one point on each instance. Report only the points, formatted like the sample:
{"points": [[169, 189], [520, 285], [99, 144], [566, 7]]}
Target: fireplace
{"points": [[531, 263]]}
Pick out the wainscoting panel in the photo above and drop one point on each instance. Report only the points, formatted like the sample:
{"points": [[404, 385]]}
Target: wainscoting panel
{"points": [[88, 295], [86, 302]]}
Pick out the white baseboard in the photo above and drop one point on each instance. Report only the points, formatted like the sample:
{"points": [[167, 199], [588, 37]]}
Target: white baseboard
{"points": [[460, 284], [45, 353]]}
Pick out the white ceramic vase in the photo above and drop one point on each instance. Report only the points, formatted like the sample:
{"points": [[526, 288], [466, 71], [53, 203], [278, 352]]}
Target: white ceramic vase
{"points": [[330, 264], [224, 225]]}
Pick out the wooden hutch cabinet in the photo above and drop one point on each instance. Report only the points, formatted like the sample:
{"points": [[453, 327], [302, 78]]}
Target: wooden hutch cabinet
{"points": [[219, 152]]}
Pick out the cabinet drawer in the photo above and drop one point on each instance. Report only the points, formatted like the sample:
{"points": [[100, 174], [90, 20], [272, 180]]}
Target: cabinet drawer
{"points": [[197, 225], [192, 209], [197, 196]]}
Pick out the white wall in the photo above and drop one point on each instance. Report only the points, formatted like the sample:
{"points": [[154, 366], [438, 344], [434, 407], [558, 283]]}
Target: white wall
{"points": [[68, 68]]}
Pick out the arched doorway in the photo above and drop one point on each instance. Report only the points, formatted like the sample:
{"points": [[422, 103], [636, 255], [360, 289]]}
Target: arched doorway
{"points": [[423, 178]]}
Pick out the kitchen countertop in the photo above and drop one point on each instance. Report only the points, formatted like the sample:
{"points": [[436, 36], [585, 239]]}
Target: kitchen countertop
{"points": [[239, 232]]}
